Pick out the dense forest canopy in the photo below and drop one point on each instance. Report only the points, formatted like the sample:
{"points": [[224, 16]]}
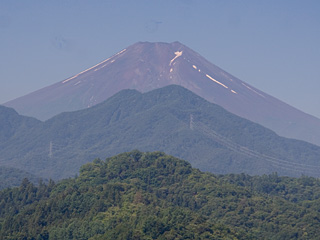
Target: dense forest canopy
{"points": [[138, 195]]}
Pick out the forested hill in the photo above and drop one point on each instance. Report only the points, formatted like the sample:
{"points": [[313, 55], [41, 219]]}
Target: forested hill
{"points": [[171, 119], [139, 195]]}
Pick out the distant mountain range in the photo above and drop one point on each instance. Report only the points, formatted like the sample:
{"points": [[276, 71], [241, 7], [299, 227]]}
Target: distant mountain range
{"points": [[170, 119], [146, 66]]}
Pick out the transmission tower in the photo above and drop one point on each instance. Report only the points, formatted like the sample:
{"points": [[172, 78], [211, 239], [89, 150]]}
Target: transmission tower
{"points": [[50, 149], [191, 122]]}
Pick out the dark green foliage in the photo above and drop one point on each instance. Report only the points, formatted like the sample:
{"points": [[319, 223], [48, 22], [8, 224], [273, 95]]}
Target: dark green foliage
{"points": [[139, 195], [12, 177], [171, 119]]}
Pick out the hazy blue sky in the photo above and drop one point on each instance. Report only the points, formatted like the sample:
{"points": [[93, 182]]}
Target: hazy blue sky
{"points": [[273, 45]]}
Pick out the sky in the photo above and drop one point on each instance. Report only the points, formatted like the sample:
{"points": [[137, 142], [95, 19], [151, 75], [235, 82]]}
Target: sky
{"points": [[274, 45]]}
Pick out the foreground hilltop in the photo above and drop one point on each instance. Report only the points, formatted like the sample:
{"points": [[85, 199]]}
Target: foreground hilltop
{"points": [[139, 195], [147, 66]]}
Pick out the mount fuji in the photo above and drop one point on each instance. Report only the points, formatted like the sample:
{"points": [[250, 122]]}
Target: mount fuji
{"points": [[146, 66]]}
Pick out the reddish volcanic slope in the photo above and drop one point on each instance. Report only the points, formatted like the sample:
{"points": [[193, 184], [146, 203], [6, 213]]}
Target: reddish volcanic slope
{"points": [[145, 66]]}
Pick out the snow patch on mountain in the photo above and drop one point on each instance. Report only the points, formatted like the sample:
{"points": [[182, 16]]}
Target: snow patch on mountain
{"points": [[68, 79], [211, 78], [253, 90], [178, 54]]}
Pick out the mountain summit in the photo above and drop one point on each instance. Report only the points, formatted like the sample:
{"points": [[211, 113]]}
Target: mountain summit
{"points": [[146, 66]]}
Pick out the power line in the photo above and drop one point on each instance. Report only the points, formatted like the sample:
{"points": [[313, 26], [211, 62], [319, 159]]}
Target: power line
{"points": [[281, 163]]}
